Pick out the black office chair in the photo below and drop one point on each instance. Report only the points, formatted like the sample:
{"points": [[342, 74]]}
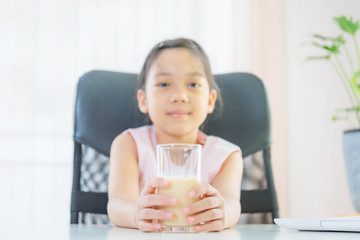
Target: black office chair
{"points": [[106, 105]]}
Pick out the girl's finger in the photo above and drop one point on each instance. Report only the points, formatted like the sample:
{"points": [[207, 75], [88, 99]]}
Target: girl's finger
{"points": [[214, 226], [203, 204], [150, 214], [202, 189], [152, 183], [213, 214], [146, 226], [153, 200]]}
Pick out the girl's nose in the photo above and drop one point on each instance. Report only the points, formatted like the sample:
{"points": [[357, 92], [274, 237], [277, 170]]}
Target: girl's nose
{"points": [[179, 95]]}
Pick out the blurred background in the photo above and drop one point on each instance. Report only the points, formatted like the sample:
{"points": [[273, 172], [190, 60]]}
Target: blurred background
{"points": [[45, 46]]}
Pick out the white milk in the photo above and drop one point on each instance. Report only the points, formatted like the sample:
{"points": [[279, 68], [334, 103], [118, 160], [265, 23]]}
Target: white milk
{"points": [[179, 187]]}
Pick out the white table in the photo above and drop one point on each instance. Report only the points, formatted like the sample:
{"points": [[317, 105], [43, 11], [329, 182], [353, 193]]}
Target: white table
{"points": [[239, 232]]}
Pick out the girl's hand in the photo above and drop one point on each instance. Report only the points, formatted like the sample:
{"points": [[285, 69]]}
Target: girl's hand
{"points": [[209, 210], [146, 203]]}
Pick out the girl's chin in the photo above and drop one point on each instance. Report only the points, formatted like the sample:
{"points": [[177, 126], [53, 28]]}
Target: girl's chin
{"points": [[179, 130]]}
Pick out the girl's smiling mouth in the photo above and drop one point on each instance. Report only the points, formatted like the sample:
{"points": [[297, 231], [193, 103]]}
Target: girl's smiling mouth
{"points": [[178, 113]]}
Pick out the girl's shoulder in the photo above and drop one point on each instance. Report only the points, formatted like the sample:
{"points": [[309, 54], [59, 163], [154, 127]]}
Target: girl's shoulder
{"points": [[135, 140], [123, 142], [143, 130], [143, 136], [216, 151], [132, 134], [218, 144], [214, 142]]}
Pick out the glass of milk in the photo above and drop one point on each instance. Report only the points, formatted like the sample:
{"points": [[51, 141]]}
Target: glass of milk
{"points": [[180, 164]]}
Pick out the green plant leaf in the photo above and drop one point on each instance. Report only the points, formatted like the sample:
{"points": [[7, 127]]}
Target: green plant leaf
{"points": [[321, 37], [327, 57], [336, 118], [333, 46], [355, 84], [348, 25], [340, 40], [357, 74], [332, 49], [346, 110], [316, 44]]}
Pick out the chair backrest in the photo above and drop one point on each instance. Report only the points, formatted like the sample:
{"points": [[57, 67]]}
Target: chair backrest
{"points": [[106, 105]]}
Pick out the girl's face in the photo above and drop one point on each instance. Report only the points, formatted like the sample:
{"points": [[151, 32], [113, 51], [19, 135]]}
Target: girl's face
{"points": [[177, 96]]}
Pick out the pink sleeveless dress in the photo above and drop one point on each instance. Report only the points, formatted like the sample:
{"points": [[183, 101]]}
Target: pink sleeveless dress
{"points": [[215, 151]]}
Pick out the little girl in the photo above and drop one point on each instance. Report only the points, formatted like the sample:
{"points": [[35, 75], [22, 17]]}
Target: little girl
{"points": [[177, 91]]}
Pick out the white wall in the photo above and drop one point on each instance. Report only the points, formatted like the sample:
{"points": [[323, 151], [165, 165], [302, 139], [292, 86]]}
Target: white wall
{"points": [[317, 180]]}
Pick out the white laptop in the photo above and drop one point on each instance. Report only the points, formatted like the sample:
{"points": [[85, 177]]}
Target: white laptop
{"points": [[339, 224]]}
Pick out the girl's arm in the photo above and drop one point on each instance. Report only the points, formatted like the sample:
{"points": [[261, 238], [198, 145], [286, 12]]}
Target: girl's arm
{"points": [[220, 208], [228, 183], [126, 207], [123, 187]]}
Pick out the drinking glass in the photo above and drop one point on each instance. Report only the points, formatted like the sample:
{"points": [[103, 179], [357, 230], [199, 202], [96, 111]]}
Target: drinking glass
{"points": [[181, 165]]}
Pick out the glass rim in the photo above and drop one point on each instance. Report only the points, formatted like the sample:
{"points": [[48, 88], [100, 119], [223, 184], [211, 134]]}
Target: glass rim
{"points": [[179, 145]]}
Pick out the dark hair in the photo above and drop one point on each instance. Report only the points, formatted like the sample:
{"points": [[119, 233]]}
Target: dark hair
{"points": [[194, 48]]}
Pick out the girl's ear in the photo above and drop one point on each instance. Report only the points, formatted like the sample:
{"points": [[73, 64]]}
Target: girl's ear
{"points": [[141, 98], [212, 100]]}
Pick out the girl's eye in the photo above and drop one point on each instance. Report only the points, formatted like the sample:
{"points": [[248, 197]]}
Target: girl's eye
{"points": [[194, 85], [163, 85]]}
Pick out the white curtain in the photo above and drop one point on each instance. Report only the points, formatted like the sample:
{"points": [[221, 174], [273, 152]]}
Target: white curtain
{"points": [[46, 45]]}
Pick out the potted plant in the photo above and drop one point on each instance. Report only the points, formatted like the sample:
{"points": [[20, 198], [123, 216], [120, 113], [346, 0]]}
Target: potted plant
{"points": [[347, 66]]}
